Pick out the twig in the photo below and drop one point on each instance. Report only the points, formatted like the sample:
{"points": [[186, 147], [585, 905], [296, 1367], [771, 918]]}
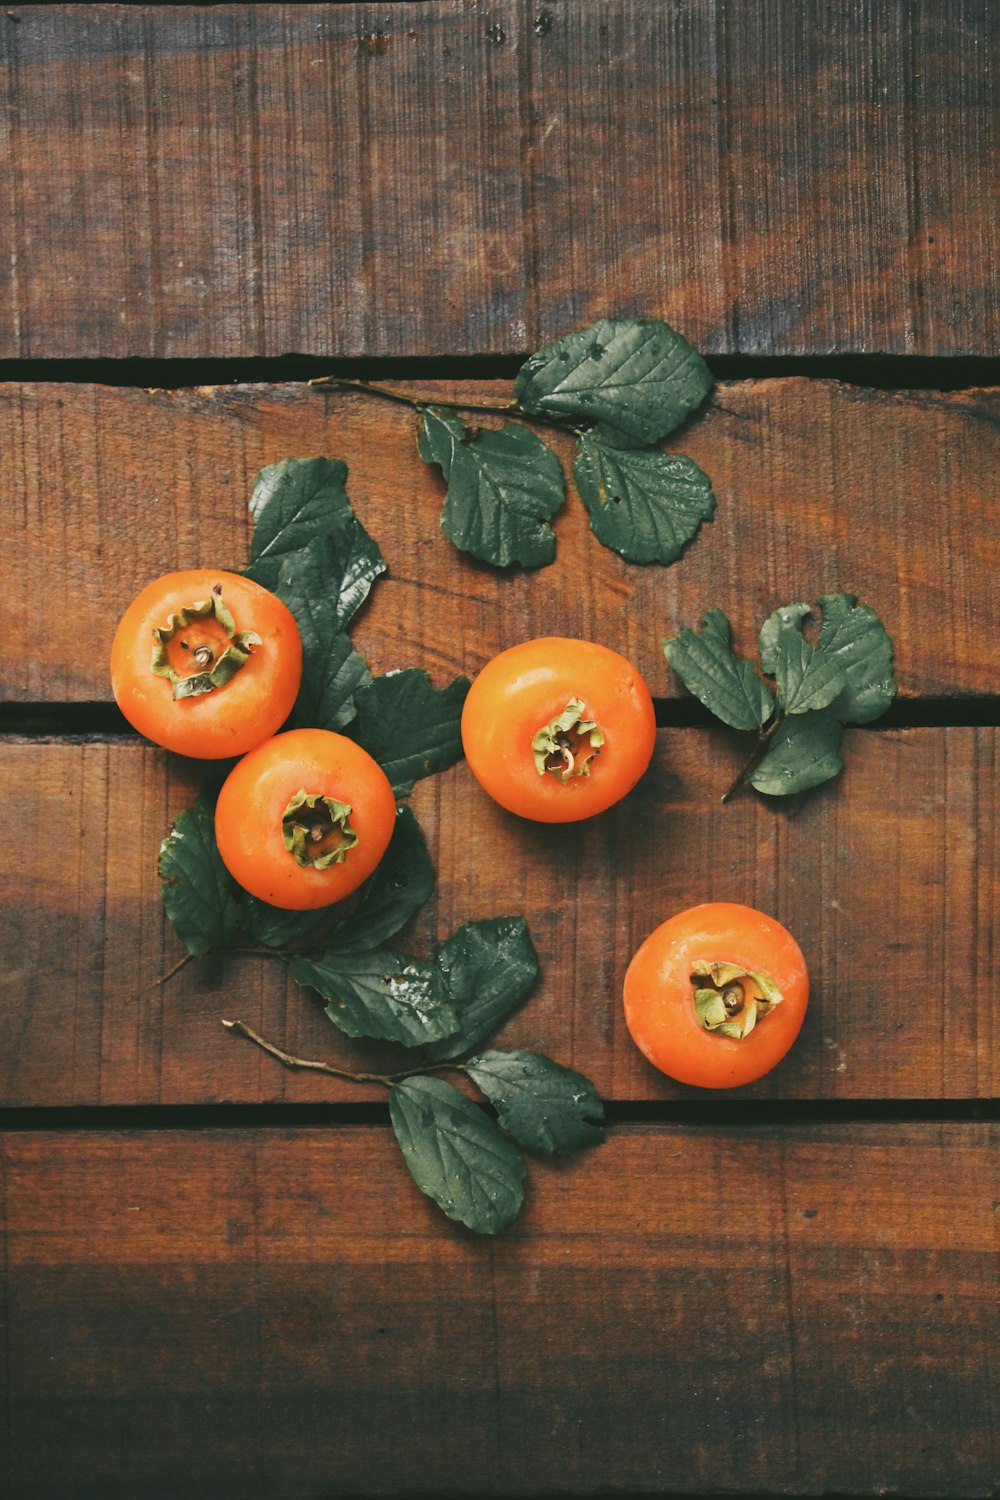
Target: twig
{"points": [[388, 1080], [759, 751], [178, 966], [511, 409], [240, 1028]]}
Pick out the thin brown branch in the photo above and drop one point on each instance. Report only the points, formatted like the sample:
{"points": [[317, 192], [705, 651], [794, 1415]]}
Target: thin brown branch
{"points": [[759, 751], [240, 1028], [156, 983], [388, 1080], [509, 409]]}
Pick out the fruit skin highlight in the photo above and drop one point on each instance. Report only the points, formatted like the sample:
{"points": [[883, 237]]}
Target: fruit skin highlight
{"points": [[226, 720], [659, 994], [531, 688]]}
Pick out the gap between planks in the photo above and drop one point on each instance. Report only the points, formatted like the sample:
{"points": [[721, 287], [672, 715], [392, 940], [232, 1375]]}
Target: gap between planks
{"points": [[889, 372]]}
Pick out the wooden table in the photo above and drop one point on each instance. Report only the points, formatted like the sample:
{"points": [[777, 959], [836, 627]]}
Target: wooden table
{"points": [[218, 1277]]}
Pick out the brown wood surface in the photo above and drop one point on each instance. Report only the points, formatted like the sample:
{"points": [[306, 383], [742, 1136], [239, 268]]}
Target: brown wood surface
{"points": [[887, 878], [789, 1291], [404, 179], [821, 487], [279, 1313]]}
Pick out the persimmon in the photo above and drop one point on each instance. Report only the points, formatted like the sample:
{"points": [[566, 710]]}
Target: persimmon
{"points": [[206, 663], [304, 818], [557, 730], [716, 995]]}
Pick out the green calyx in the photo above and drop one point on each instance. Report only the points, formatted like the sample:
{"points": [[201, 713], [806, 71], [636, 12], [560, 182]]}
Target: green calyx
{"points": [[316, 830], [214, 663], [730, 1001], [567, 745]]}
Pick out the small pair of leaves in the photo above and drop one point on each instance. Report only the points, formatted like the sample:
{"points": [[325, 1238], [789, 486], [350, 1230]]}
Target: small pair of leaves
{"points": [[846, 677], [461, 1158], [637, 381], [210, 911], [447, 1004]]}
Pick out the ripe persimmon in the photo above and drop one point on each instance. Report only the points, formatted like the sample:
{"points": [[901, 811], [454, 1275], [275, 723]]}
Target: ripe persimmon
{"points": [[304, 818], [206, 663], [557, 730]]}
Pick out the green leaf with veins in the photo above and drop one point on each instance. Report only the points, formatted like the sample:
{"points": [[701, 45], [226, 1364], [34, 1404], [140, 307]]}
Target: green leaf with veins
{"points": [[643, 503], [726, 684], [324, 585], [854, 635], [488, 968], [411, 728], [802, 753], [292, 503], [807, 678], [274, 927], [380, 993], [543, 1105], [638, 380], [456, 1154], [503, 489], [199, 895]]}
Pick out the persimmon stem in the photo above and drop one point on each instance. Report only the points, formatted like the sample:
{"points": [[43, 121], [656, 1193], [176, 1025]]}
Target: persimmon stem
{"points": [[156, 983], [757, 755], [388, 1080], [510, 409]]}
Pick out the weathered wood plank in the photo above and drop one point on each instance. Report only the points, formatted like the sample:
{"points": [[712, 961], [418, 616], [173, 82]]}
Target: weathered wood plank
{"points": [[821, 487], [405, 179], [280, 1313], [888, 879]]}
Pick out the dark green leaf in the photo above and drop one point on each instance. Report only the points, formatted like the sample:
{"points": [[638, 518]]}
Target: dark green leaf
{"points": [[411, 728], [856, 637], [200, 896], [782, 622], [503, 488], [277, 928], [807, 678], [324, 585], [801, 754], [457, 1155], [543, 1105], [637, 379], [488, 968], [399, 886], [381, 994], [643, 503], [726, 684], [292, 503]]}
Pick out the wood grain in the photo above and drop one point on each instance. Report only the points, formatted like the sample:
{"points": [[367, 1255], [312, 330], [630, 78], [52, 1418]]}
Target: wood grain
{"points": [[280, 1313], [888, 879], [821, 487], [443, 178]]}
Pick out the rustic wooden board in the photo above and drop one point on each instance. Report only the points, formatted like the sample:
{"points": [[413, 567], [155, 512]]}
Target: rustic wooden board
{"points": [[280, 1313], [822, 487], [444, 178], [888, 879]]}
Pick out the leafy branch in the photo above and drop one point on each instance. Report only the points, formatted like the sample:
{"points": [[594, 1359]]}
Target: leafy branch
{"points": [[442, 1008], [467, 1163], [620, 387], [816, 687]]}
